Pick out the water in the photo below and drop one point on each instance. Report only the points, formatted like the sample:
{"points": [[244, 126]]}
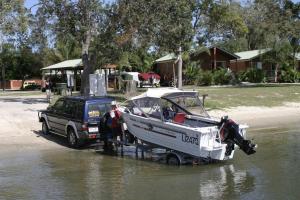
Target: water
{"points": [[271, 173]]}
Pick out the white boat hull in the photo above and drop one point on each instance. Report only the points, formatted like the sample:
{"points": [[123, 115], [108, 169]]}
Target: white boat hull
{"points": [[198, 142]]}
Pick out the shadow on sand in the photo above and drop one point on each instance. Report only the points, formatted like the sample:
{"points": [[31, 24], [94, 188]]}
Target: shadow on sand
{"points": [[24, 100], [62, 141]]}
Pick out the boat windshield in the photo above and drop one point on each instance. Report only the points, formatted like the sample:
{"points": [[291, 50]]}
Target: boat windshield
{"points": [[189, 102], [146, 107]]}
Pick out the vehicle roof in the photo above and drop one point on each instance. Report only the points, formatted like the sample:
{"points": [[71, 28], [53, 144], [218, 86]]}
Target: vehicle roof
{"points": [[131, 73], [162, 92], [90, 98]]}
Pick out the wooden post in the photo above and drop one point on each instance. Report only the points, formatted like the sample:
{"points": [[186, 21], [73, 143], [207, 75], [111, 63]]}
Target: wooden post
{"points": [[276, 72], [3, 77], [179, 85], [174, 76], [215, 58]]}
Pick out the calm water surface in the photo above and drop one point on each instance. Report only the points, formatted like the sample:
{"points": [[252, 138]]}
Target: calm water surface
{"points": [[272, 173]]}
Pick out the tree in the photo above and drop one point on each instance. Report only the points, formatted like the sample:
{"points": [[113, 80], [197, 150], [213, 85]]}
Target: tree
{"points": [[294, 37], [20, 63], [161, 25], [278, 56], [64, 50], [82, 19], [27, 64], [13, 25], [217, 21]]}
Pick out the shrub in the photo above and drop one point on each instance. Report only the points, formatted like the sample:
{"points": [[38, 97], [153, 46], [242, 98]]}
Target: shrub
{"points": [[289, 75], [204, 78], [252, 75], [191, 73], [222, 77]]}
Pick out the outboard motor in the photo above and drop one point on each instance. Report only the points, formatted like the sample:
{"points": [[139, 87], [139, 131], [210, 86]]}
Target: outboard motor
{"points": [[230, 135]]}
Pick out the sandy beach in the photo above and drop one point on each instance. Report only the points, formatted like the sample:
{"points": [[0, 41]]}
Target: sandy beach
{"points": [[263, 117], [19, 124], [20, 127]]}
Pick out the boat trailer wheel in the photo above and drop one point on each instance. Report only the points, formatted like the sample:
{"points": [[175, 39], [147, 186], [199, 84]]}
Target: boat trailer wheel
{"points": [[173, 159]]}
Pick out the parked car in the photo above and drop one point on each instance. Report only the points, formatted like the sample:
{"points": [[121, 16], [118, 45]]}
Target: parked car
{"points": [[150, 79], [131, 76], [76, 118], [31, 85]]}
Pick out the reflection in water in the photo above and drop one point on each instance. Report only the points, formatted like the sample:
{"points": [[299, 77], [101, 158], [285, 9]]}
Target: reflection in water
{"points": [[271, 173], [225, 179]]}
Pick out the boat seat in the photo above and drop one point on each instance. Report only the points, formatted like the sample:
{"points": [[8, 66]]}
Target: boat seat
{"points": [[179, 118]]}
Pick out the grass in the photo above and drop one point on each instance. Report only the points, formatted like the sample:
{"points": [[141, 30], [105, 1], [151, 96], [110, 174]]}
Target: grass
{"points": [[220, 97], [226, 97], [271, 95]]}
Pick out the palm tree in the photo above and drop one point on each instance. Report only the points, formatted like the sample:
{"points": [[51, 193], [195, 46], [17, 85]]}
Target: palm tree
{"points": [[65, 49]]}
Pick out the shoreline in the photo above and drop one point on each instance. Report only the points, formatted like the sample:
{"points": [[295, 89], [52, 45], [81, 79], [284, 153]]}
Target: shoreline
{"points": [[20, 128], [262, 117]]}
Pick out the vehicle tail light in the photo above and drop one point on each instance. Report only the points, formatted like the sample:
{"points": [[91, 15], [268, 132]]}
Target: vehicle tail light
{"points": [[84, 126], [92, 136]]}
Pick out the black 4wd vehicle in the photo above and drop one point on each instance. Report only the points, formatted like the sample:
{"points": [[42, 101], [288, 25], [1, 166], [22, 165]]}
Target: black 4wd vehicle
{"points": [[76, 118]]}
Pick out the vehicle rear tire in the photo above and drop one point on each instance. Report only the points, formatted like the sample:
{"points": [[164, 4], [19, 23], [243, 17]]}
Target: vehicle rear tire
{"points": [[45, 128], [173, 160], [72, 138]]}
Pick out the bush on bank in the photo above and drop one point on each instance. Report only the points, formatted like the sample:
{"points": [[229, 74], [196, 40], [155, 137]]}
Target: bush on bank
{"points": [[224, 76]]}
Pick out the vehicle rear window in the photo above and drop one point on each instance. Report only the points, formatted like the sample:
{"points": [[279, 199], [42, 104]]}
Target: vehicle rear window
{"points": [[59, 106], [98, 109]]}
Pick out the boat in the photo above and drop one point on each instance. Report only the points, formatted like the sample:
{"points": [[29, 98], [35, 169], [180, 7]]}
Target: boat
{"points": [[176, 120]]}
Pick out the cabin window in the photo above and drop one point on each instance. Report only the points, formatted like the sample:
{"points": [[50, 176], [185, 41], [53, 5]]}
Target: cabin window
{"points": [[259, 65], [219, 64]]}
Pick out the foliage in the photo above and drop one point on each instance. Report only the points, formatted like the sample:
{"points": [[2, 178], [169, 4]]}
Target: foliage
{"points": [[221, 77], [205, 78], [191, 72], [133, 33], [289, 75], [21, 63], [13, 22], [143, 23], [7, 57], [141, 61], [252, 75], [64, 50], [216, 21], [280, 53], [218, 77]]}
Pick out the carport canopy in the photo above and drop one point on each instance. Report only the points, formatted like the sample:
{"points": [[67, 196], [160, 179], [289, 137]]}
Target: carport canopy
{"points": [[74, 64]]}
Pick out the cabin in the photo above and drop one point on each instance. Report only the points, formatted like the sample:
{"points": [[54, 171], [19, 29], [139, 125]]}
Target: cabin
{"points": [[214, 58], [297, 56], [167, 68], [254, 59], [250, 59]]}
